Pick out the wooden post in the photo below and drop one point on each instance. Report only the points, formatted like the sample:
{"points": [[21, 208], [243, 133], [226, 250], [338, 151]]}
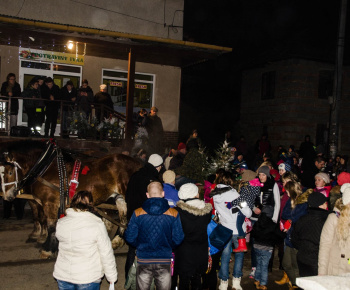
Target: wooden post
{"points": [[130, 98]]}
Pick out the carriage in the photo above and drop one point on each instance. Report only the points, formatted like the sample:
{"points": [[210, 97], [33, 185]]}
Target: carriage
{"points": [[39, 171]]}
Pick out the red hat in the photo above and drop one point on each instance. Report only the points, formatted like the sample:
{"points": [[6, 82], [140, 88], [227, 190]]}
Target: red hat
{"points": [[343, 177], [181, 146]]}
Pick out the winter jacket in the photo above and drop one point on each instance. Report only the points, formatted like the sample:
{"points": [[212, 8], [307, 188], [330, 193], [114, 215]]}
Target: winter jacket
{"points": [[333, 259], [294, 214], [154, 230], [306, 235], [269, 199], [176, 161], [265, 232], [135, 194], [171, 194], [192, 255], [46, 92], [104, 99], [248, 193], [68, 97], [227, 219], [16, 92], [84, 102], [30, 92], [85, 252], [308, 176]]}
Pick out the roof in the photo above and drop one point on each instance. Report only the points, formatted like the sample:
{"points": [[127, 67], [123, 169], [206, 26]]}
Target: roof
{"points": [[104, 43]]}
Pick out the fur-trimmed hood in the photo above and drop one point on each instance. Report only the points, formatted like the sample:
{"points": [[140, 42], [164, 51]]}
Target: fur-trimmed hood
{"points": [[302, 198], [193, 209]]}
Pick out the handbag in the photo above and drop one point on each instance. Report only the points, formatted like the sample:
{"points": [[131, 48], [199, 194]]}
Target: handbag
{"points": [[220, 237]]}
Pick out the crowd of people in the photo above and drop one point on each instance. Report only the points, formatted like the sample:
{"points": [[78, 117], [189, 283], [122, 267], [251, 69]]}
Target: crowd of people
{"points": [[42, 102], [179, 239]]}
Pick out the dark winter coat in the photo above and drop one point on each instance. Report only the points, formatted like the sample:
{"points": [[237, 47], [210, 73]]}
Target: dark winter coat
{"points": [[154, 230], [46, 92], [193, 165], [135, 194], [177, 161], [68, 97], [16, 92], [30, 92], [85, 102], [308, 177], [192, 255], [306, 235], [294, 214], [104, 98], [267, 233]]}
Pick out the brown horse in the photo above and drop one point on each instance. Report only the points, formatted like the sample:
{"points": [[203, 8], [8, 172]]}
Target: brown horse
{"points": [[106, 176]]}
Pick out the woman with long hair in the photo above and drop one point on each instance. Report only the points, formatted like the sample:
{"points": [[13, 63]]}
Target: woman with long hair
{"points": [[85, 251], [334, 253], [295, 208]]}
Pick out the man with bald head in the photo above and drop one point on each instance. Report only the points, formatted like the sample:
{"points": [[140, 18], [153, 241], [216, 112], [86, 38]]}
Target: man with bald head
{"points": [[154, 230]]}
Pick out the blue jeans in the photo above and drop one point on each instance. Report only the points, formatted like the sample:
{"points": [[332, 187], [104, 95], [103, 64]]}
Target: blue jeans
{"points": [[262, 267], [239, 223], [63, 285], [225, 260]]}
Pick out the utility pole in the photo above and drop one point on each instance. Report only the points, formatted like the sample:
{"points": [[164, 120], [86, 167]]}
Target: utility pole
{"points": [[338, 76]]}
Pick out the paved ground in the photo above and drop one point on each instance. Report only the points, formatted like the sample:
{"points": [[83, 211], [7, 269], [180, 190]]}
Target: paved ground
{"points": [[21, 268]]}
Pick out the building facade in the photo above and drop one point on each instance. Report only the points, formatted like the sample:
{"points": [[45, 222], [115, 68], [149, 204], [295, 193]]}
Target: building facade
{"points": [[291, 98]]}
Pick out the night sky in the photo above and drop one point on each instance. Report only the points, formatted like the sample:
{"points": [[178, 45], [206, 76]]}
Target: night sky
{"points": [[257, 31]]}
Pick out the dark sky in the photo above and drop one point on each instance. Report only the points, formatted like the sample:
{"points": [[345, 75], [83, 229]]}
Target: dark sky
{"points": [[258, 31], [252, 27]]}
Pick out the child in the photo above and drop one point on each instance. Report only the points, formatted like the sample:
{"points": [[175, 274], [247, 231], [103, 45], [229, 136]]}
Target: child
{"points": [[322, 181]]}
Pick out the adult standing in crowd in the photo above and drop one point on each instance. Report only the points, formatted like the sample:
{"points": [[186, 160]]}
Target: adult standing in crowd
{"points": [[155, 131], [223, 194], [31, 93], [135, 195], [11, 89], [191, 257], [178, 159], [85, 251], [85, 98], [307, 233], [334, 254], [307, 153], [154, 230], [51, 92], [308, 175], [102, 98], [68, 95]]}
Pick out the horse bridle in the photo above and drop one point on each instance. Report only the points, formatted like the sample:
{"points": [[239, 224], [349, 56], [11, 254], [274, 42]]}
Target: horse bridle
{"points": [[16, 166]]}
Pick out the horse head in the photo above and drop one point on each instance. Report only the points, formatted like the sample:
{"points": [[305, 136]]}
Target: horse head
{"points": [[10, 172]]}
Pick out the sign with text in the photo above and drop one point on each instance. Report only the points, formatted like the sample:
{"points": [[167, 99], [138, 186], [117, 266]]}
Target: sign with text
{"points": [[53, 56], [139, 86], [115, 84]]}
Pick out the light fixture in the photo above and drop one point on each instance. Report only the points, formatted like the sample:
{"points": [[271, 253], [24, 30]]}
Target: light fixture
{"points": [[70, 44]]}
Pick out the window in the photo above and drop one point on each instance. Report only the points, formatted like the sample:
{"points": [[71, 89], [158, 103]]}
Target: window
{"points": [[116, 82], [268, 85], [325, 84]]}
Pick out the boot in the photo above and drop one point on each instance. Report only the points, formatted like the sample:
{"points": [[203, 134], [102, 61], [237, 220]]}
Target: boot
{"points": [[223, 285], [257, 284], [252, 273], [242, 246], [236, 283], [284, 279], [262, 287]]}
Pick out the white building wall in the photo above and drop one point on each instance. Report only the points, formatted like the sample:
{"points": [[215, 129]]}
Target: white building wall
{"points": [[146, 17]]}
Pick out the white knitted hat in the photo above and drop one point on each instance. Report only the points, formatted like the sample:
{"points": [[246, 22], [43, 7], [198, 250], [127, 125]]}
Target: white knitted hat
{"points": [[188, 190], [345, 189], [156, 160]]}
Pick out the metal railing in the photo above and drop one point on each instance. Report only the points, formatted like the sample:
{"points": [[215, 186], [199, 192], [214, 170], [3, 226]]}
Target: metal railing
{"points": [[101, 116]]}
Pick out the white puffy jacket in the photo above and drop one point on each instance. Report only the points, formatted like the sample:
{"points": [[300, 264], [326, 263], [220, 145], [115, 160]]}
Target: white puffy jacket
{"points": [[228, 219], [85, 252]]}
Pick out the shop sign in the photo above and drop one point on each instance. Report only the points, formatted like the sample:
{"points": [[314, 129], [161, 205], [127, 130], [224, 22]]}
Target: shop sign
{"points": [[53, 56], [115, 84], [140, 86]]}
